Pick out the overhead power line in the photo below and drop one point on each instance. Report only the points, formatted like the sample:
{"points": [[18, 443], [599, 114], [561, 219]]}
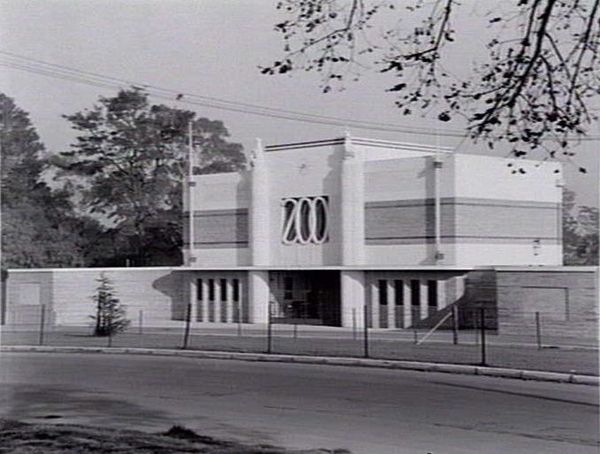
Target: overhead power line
{"points": [[69, 74], [44, 68]]}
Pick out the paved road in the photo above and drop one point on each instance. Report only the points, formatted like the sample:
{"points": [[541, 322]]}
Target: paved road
{"points": [[365, 410]]}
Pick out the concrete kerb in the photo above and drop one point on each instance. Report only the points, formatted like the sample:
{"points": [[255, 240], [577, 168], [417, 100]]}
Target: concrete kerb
{"points": [[555, 377]]}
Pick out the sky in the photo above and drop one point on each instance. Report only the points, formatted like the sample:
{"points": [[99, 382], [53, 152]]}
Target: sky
{"points": [[213, 48]]}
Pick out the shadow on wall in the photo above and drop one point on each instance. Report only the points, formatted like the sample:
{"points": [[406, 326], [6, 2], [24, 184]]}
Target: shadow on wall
{"points": [[429, 216], [243, 222], [331, 251], [171, 285], [480, 293]]}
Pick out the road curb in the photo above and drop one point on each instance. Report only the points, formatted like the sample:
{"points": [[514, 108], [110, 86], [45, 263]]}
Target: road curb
{"points": [[499, 372]]}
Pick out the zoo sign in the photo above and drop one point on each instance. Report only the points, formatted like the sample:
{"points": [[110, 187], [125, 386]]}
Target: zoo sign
{"points": [[305, 220]]}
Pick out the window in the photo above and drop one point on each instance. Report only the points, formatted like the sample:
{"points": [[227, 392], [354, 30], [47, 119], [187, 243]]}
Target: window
{"points": [[223, 289], [199, 295], [399, 292], [383, 294], [211, 289], [415, 292], [432, 293], [236, 290], [305, 220]]}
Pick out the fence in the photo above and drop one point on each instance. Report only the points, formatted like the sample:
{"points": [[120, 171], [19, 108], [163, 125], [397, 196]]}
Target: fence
{"points": [[531, 347]]}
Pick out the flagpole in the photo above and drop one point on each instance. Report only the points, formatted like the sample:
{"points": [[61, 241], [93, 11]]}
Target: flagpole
{"points": [[190, 185]]}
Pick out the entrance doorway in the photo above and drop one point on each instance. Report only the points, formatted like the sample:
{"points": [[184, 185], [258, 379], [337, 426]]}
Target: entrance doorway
{"points": [[306, 297]]}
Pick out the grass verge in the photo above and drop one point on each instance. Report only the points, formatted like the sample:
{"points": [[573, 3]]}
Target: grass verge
{"points": [[21, 438]]}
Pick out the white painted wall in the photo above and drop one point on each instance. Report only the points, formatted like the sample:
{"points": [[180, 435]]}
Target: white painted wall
{"points": [[305, 172], [486, 254], [154, 291], [490, 177], [408, 254]]}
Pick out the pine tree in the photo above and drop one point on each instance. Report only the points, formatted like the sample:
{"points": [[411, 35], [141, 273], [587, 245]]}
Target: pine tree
{"points": [[110, 317]]}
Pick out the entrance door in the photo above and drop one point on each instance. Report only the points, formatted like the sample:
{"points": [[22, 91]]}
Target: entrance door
{"points": [[306, 297]]}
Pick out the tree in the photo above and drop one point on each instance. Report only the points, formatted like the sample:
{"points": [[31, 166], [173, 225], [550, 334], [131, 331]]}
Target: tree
{"points": [[580, 232], [132, 157], [535, 91], [39, 225], [110, 317]]}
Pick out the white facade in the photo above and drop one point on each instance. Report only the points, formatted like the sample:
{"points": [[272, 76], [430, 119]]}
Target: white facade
{"points": [[316, 232], [421, 212]]}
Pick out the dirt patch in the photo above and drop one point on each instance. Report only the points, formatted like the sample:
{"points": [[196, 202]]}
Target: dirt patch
{"points": [[21, 438]]}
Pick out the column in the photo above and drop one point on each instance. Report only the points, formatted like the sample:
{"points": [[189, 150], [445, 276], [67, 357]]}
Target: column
{"points": [[259, 296], [229, 305], [407, 303], [423, 301], [240, 303], [353, 298], [460, 287], [259, 208], [441, 294], [352, 206], [204, 302], [193, 300], [391, 293], [374, 304], [218, 318]]}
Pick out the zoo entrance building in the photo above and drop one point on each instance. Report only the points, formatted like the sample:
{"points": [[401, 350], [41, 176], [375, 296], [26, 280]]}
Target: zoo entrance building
{"points": [[314, 231]]}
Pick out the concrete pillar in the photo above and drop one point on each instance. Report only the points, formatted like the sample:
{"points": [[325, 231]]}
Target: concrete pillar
{"points": [[375, 303], [259, 296], [407, 303], [193, 300], [391, 301], [259, 209], [352, 206], [441, 294], [217, 305], [353, 298], [204, 301], [423, 303], [460, 287], [229, 309], [240, 303]]}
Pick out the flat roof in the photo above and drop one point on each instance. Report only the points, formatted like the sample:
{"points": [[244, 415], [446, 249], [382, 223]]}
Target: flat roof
{"points": [[360, 141], [324, 268]]}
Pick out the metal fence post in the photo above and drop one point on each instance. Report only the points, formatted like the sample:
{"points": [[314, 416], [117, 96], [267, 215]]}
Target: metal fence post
{"points": [[366, 334], [186, 333], [239, 318], [140, 322], [295, 331], [354, 324], [482, 323], [42, 322], [269, 334], [538, 330], [455, 325]]}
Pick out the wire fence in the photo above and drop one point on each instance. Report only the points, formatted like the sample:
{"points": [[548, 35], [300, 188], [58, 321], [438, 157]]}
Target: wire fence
{"points": [[538, 344]]}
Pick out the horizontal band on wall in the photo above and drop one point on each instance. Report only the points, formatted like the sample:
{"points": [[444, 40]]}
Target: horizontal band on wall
{"points": [[461, 239], [203, 213], [463, 201], [218, 245], [219, 227]]}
